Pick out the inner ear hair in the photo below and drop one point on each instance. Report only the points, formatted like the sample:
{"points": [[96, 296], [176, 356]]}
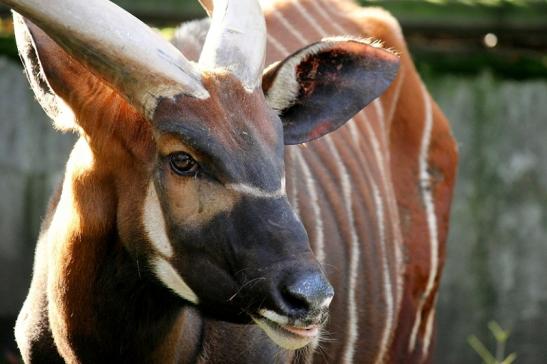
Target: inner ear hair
{"points": [[53, 105], [280, 82]]}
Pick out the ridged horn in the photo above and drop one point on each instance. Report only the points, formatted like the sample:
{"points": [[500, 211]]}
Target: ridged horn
{"points": [[236, 40], [116, 46]]}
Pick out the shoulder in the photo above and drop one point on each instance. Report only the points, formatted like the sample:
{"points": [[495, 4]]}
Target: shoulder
{"points": [[380, 24]]}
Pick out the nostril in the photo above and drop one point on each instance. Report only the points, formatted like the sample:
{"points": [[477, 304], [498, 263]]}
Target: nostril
{"points": [[307, 292], [295, 298]]}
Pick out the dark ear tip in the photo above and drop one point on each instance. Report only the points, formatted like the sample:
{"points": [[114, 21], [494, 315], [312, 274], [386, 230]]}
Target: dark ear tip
{"points": [[384, 61], [392, 68], [373, 55]]}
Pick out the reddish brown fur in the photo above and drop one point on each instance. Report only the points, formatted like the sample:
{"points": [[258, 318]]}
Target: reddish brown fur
{"points": [[404, 117], [230, 111]]}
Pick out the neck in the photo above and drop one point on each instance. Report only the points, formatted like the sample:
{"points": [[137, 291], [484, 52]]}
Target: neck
{"points": [[102, 300], [136, 318]]}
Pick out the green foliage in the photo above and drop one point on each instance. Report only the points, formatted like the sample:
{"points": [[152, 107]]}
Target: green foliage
{"points": [[514, 65], [501, 336], [471, 18], [7, 43], [466, 13]]}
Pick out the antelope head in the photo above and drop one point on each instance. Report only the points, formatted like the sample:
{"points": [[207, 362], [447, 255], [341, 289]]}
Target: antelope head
{"points": [[196, 150]]}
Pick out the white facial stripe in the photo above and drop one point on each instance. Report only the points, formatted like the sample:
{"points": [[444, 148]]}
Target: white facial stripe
{"points": [[326, 302], [275, 317], [256, 191], [170, 277], [154, 223]]}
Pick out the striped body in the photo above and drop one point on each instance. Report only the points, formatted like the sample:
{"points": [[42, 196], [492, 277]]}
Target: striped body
{"points": [[374, 195]]}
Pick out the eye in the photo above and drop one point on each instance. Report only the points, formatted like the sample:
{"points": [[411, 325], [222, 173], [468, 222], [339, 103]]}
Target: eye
{"points": [[183, 164]]}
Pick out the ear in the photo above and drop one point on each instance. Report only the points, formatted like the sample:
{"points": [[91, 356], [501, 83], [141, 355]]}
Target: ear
{"points": [[68, 92], [320, 87]]}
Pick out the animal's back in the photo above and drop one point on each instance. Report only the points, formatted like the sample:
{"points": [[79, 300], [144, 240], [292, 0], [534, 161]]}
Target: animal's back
{"points": [[374, 195]]}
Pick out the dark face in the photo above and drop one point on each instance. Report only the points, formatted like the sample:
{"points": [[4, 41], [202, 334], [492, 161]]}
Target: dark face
{"points": [[223, 233]]}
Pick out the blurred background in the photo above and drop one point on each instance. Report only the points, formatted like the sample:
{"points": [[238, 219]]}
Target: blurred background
{"points": [[484, 61]]}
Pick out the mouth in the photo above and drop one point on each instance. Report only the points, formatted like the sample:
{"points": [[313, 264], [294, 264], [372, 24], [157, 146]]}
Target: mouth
{"points": [[290, 336]]}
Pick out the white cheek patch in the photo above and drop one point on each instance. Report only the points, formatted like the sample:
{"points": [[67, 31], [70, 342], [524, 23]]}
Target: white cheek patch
{"points": [[170, 277], [154, 226], [154, 223]]}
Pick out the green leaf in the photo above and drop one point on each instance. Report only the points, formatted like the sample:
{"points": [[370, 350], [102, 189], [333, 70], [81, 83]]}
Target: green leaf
{"points": [[511, 358], [500, 334], [480, 349]]}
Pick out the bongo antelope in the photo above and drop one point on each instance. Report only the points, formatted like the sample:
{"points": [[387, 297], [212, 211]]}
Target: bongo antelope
{"points": [[190, 206]]}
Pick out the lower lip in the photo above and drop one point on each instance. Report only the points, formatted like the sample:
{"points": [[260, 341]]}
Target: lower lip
{"points": [[310, 331]]}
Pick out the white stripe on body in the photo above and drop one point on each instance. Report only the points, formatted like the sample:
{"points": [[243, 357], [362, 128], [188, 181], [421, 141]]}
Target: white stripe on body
{"points": [[331, 7], [396, 93], [428, 329], [427, 197], [392, 204], [311, 20], [379, 153], [355, 136], [380, 214], [319, 243], [329, 21], [387, 279], [377, 103], [353, 318], [295, 33], [294, 190], [280, 47], [379, 156]]}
